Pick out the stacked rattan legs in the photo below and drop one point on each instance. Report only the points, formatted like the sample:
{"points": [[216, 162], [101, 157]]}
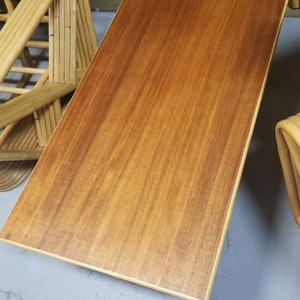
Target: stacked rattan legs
{"points": [[31, 117]]}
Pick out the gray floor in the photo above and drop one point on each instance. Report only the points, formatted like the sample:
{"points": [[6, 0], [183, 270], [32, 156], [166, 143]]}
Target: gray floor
{"points": [[260, 259]]}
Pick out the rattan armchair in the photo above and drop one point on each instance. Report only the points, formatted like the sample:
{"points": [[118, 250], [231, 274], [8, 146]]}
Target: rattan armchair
{"points": [[32, 112]]}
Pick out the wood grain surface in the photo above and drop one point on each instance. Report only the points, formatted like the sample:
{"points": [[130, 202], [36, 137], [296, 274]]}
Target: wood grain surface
{"points": [[139, 178]]}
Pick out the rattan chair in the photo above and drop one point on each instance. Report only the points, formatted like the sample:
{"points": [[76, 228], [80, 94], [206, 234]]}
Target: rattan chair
{"points": [[288, 141], [31, 114], [294, 4]]}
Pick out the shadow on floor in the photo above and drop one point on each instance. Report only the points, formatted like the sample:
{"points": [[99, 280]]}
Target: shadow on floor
{"points": [[260, 258]]}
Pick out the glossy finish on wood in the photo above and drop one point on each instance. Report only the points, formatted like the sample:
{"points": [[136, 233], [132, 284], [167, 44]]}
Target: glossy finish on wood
{"points": [[139, 178]]}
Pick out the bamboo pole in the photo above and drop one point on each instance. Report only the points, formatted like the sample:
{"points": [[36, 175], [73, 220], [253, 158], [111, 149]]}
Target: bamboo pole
{"points": [[9, 6], [21, 106], [81, 62], [27, 70], [37, 113], [13, 90], [14, 137], [86, 35], [38, 44], [61, 41], [89, 28], [51, 41], [73, 42], [81, 39], [3, 17], [17, 31], [43, 117], [24, 154], [47, 123], [59, 64], [26, 61], [6, 16], [67, 40]]}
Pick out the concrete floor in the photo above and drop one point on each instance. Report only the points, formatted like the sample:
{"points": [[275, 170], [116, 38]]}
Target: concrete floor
{"points": [[260, 259]]}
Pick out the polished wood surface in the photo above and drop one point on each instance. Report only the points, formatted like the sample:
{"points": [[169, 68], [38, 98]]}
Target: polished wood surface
{"points": [[139, 178]]}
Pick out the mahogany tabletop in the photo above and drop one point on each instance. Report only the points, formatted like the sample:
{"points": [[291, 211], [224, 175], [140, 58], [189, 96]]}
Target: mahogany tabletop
{"points": [[139, 179]]}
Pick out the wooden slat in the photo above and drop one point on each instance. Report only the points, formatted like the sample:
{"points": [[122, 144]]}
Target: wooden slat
{"points": [[144, 166]]}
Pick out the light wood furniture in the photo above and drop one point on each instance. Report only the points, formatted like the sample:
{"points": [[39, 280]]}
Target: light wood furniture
{"points": [[288, 141], [20, 136], [72, 43], [143, 169], [294, 4]]}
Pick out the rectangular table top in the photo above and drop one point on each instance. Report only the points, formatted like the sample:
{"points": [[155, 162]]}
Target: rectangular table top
{"points": [[140, 176]]}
